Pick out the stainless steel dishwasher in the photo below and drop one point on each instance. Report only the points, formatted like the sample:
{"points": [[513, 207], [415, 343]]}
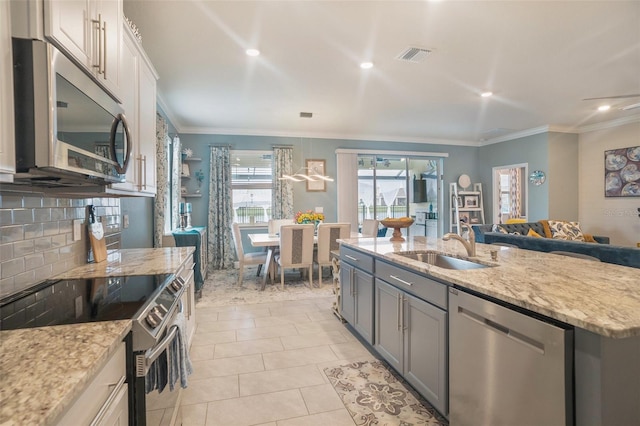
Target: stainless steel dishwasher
{"points": [[507, 368]]}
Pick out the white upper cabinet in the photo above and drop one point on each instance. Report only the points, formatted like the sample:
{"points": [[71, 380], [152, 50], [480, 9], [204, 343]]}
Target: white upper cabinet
{"points": [[91, 32], [139, 103], [7, 138]]}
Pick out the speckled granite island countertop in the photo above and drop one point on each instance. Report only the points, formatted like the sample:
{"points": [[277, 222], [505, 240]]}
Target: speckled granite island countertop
{"points": [[600, 297], [43, 370]]}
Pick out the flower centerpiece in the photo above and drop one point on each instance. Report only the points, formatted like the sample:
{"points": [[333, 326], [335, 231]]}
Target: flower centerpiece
{"points": [[309, 217]]}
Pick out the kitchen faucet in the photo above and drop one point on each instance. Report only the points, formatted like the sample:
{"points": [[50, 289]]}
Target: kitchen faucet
{"points": [[469, 245]]}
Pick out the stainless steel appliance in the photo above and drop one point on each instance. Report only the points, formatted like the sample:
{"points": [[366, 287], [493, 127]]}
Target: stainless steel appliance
{"points": [[69, 131], [151, 301], [505, 367]]}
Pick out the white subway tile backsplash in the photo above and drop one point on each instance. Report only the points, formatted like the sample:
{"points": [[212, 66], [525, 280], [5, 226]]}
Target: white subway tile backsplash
{"points": [[36, 239]]}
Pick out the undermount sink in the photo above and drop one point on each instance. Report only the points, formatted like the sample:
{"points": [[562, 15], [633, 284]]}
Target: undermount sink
{"points": [[442, 260]]}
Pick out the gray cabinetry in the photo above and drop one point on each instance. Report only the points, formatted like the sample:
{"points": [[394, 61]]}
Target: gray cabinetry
{"points": [[411, 333], [356, 286]]}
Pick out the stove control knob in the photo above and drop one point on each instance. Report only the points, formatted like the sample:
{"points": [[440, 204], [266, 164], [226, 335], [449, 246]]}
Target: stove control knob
{"points": [[152, 320], [159, 314], [177, 284]]}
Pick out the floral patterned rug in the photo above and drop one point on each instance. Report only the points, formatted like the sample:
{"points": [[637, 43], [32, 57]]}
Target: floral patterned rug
{"points": [[375, 395], [221, 288]]}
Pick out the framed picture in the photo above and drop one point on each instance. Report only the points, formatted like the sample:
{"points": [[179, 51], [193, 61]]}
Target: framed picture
{"points": [[470, 201], [316, 167], [622, 172], [459, 201]]}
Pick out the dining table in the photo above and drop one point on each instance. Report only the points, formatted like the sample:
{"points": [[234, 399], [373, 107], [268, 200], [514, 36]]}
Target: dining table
{"points": [[270, 242]]}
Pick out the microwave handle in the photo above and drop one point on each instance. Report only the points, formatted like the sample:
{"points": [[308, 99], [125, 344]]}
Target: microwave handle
{"points": [[120, 118]]}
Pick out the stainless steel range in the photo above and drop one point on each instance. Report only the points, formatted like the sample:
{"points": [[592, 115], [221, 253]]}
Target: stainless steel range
{"points": [[152, 302]]}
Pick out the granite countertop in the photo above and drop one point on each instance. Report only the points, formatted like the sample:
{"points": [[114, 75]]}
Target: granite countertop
{"points": [[600, 297], [144, 261], [43, 370]]}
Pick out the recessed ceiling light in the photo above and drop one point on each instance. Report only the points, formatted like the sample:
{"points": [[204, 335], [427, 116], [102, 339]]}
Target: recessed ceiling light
{"points": [[252, 52], [366, 65], [604, 107], [486, 94]]}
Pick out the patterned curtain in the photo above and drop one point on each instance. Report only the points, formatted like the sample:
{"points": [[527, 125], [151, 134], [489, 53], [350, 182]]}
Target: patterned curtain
{"points": [[514, 196], [175, 181], [282, 199], [162, 170], [220, 247]]}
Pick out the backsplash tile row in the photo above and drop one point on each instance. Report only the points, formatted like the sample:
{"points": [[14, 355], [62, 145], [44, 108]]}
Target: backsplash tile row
{"points": [[36, 236]]}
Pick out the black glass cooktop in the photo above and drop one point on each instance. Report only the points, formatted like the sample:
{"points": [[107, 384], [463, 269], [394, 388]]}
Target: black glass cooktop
{"points": [[80, 300]]}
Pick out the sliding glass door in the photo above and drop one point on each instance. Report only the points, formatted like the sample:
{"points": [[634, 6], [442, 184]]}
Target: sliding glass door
{"points": [[397, 186]]}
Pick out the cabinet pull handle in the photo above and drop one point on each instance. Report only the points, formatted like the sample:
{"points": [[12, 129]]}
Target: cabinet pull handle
{"points": [[355, 259], [401, 280], [139, 161], [144, 159], [404, 326], [96, 42], [398, 313], [104, 49], [352, 282]]}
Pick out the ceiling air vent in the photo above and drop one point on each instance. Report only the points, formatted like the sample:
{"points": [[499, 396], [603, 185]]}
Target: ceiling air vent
{"points": [[306, 114], [414, 54]]}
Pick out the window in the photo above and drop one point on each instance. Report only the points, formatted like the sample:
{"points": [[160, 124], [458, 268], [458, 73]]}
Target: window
{"points": [[251, 185]]}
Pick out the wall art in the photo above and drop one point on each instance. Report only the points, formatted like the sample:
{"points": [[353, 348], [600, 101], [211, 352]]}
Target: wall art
{"points": [[622, 172]]}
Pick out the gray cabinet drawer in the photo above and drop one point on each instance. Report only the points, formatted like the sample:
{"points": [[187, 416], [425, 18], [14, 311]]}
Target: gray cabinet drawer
{"points": [[357, 258], [416, 284]]}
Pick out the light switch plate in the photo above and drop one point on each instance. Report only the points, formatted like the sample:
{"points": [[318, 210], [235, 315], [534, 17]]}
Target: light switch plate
{"points": [[77, 229], [125, 221], [319, 209]]}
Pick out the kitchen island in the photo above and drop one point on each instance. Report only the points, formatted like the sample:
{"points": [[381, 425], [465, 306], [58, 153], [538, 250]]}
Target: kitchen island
{"points": [[600, 301], [43, 371]]}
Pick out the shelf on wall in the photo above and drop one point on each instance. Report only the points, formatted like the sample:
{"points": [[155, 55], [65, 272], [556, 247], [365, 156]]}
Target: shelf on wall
{"points": [[192, 159], [191, 195]]}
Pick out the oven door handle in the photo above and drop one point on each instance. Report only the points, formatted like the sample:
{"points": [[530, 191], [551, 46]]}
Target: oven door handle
{"points": [[154, 353]]}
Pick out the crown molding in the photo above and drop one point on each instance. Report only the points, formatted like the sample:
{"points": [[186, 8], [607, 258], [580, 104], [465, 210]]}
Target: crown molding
{"points": [[318, 135], [168, 112], [609, 124]]}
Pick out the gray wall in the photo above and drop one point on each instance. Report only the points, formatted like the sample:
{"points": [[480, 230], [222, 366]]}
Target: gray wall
{"points": [[562, 176], [139, 234], [461, 160], [530, 149]]}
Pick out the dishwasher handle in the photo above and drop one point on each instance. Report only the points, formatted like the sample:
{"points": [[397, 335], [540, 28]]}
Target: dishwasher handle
{"points": [[523, 339]]}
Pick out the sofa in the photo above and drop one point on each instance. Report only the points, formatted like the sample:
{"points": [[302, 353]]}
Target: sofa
{"points": [[517, 235]]}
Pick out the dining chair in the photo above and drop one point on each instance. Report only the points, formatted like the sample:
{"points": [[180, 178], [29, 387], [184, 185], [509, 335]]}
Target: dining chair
{"points": [[369, 228], [275, 224], [328, 235], [296, 249], [245, 259]]}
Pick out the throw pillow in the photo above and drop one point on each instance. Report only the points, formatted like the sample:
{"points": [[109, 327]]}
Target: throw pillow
{"points": [[561, 230], [588, 238], [498, 228], [545, 226], [533, 233]]}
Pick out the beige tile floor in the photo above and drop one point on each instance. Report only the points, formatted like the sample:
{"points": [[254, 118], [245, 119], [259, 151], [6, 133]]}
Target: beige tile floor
{"points": [[263, 365]]}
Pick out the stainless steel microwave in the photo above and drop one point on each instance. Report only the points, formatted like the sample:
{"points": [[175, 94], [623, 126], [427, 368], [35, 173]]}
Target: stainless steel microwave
{"points": [[69, 131]]}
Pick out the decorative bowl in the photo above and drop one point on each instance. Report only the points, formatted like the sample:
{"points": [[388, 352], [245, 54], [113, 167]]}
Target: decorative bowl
{"points": [[397, 225]]}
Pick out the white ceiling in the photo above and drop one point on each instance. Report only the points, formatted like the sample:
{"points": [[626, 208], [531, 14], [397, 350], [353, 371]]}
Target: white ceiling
{"points": [[540, 59]]}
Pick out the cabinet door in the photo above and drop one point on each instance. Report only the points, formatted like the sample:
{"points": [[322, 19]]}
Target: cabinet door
{"points": [[347, 297], [7, 137], [388, 327], [147, 129], [363, 318], [129, 63], [109, 13], [67, 23], [425, 350]]}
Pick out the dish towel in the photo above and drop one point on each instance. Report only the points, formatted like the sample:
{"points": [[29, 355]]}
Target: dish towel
{"points": [[179, 361], [157, 375]]}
